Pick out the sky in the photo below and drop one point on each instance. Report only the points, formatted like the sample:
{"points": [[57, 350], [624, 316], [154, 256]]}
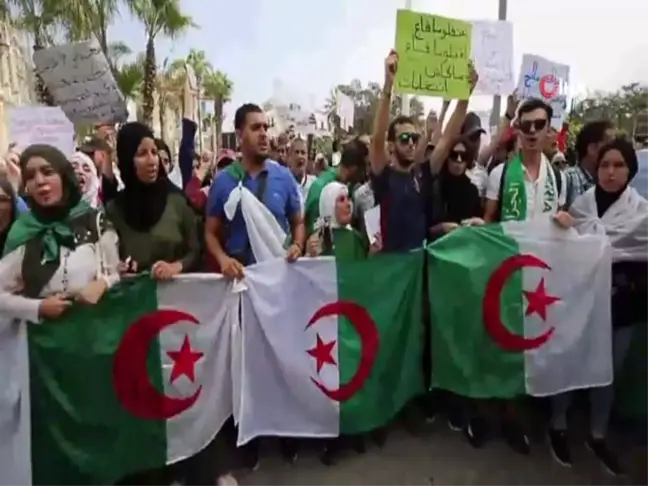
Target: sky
{"points": [[314, 45]]}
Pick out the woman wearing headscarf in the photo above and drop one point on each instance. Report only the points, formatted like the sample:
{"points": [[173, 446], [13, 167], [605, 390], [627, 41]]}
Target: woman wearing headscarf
{"points": [[8, 209], [334, 234], [86, 173], [615, 209], [454, 199], [61, 250], [158, 233], [156, 226]]}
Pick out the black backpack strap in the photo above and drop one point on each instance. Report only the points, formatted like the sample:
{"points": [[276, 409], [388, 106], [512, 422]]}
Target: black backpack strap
{"points": [[500, 195], [558, 177]]}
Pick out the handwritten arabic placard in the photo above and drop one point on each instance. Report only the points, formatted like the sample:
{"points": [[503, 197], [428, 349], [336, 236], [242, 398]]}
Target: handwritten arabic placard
{"points": [[80, 80], [41, 124], [433, 55], [492, 52], [547, 80]]}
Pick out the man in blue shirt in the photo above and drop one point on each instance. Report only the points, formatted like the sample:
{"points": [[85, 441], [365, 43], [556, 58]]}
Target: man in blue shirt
{"points": [[272, 184]]}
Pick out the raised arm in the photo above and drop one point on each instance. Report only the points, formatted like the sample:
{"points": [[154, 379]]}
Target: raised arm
{"points": [[451, 132], [486, 154], [377, 153]]}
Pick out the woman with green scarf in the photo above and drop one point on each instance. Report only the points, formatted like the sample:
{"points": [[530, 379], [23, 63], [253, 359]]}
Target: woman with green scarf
{"points": [[334, 234], [60, 251]]}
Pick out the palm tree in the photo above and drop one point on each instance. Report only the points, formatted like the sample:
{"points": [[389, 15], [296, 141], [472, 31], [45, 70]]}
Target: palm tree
{"points": [[218, 88], [83, 19], [168, 85], [158, 16], [39, 18], [130, 79]]}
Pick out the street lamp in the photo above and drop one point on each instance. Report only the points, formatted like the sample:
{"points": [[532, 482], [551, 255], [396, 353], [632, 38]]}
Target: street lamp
{"points": [[497, 100]]}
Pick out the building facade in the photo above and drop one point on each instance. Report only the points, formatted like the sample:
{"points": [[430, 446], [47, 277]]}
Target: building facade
{"points": [[16, 76]]}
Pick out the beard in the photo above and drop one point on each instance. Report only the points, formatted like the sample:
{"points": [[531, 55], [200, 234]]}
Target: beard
{"points": [[402, 161]]}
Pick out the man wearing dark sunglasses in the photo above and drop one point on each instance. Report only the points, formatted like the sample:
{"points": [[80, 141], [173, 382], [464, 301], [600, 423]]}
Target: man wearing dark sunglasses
{"points": [[528, 186]]}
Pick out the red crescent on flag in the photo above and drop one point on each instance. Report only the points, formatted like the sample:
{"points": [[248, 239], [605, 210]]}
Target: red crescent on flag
{"points": [[492, 305], [366, 329], [548, 86], [130, 374]]}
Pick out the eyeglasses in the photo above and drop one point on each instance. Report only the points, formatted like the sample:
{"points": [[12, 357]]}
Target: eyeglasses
{"points": [[457, 156], [405, 138], [526, 125]]}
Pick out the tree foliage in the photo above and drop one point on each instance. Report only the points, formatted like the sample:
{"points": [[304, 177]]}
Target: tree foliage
{"points": [[622, 107], [366, 99]]}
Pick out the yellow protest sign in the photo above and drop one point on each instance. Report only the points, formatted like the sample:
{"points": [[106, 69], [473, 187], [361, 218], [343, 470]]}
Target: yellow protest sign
{"points": [[433, 55]]}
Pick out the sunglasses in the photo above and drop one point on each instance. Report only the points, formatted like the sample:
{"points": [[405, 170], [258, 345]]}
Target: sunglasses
{"points": [[526, 125], [457, 156], [406, 137]]}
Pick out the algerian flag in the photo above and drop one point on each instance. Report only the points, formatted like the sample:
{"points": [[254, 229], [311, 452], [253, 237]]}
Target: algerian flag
{"points": [[520, 308], [138, 381], [329, 348]]}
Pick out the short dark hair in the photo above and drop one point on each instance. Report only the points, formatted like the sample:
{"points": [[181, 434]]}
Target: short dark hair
{"points": [[354, 153], [242, 112], [399, 120], [531, 104], [592, 132]]}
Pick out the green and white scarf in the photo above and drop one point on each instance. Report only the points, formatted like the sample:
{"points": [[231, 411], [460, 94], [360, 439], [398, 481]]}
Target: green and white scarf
{"points": [[514, 196]]}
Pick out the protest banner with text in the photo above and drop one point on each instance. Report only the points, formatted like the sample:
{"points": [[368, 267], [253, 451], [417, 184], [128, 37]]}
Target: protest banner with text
{"points": [[433, 54]]}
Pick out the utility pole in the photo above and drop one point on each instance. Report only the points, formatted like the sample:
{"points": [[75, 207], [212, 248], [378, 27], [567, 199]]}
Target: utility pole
{"points": [[497, 100], [405, 106]]}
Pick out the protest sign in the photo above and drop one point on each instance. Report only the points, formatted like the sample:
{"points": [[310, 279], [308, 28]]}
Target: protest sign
{"points": [[80, 80], [345, 109], [547, 80], [41, 124], [492, 53], [433, 55]]}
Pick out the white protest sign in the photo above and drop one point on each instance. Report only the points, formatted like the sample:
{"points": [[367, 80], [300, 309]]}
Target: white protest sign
{"points": [[80, 80], [492, 51], [345, 109], [41, 124], [547, 80]]}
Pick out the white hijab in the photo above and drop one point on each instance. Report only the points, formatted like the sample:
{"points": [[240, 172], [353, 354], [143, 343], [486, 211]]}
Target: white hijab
{"points": [[91, 190], [329, 196], [625, 223]]}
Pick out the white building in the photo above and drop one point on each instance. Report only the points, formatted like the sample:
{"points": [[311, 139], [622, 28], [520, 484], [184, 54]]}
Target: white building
{"points": [[16, 76]]}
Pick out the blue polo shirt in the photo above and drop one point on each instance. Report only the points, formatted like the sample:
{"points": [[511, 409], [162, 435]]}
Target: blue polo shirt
{"points": [[281, 198]]}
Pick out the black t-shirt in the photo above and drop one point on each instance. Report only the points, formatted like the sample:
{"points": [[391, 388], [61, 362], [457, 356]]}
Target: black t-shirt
{"points": [[402, 209]]}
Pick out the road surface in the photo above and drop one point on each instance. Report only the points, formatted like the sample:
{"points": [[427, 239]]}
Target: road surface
{"points": [[439, 456]]}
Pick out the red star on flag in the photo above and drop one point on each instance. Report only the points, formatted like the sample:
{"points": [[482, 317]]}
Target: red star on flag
{"points": [[538, 301], [322, 352], [184, 361]]}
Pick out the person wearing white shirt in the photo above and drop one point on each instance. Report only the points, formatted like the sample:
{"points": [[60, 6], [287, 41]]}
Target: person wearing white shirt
{"points": [[528, 186], [297, 157]]}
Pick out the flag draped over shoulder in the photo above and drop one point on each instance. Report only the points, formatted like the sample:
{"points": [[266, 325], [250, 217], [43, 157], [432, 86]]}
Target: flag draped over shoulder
{"points": [[330, 346], [520, 308], [136, 382], [625, 223]]}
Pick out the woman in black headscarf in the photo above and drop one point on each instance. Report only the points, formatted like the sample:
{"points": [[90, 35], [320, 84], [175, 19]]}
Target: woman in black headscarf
{"points": [[157, 228], [53, 252], [614, 209], [454, 198]]}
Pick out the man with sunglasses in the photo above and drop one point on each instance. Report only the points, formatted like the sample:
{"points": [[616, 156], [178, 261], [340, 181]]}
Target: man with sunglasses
{"points": [[397, 183], [528, 186]]}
